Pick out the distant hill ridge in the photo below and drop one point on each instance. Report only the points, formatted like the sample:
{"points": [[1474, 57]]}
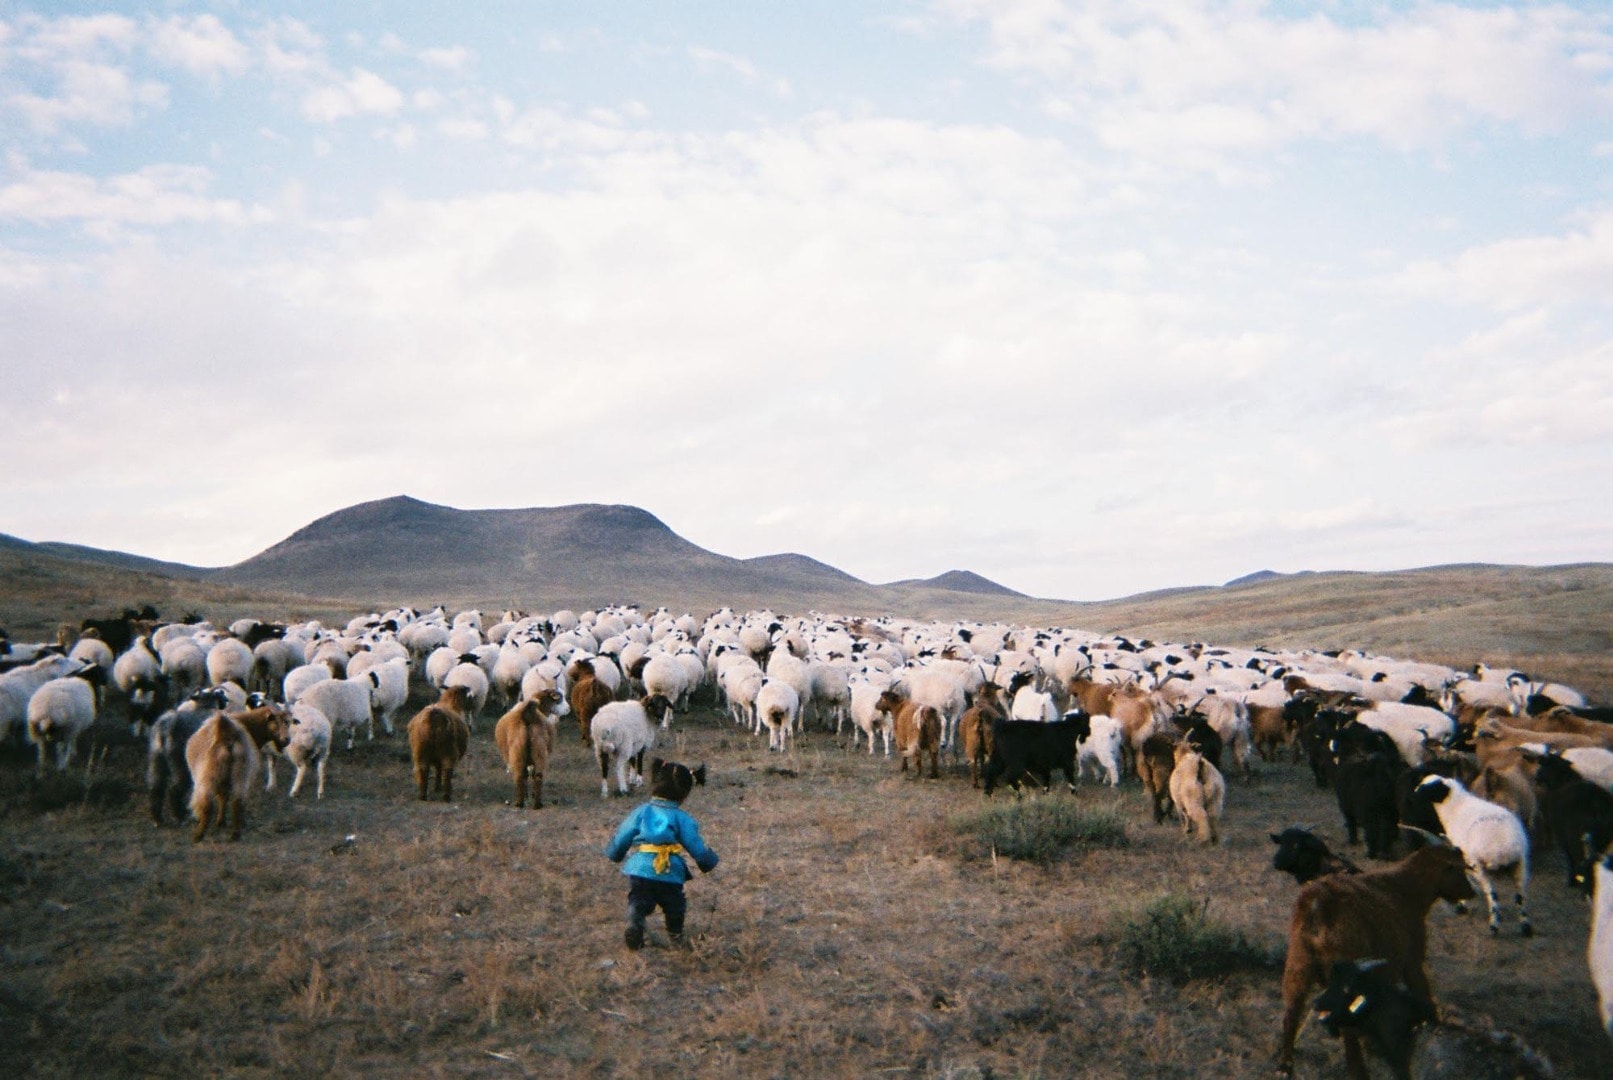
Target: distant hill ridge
{"points": [[412, 550]]}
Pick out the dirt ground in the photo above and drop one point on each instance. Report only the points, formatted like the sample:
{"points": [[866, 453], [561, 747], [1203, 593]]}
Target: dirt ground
{"points": [[847, 932]]}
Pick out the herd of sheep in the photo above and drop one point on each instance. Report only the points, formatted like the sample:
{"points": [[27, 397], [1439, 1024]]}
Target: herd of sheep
{"points": [[1466, 764]]}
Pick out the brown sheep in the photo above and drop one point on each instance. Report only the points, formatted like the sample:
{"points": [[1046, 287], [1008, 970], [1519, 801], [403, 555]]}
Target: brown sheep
{"points": [[587, 696], [223, 765], [974, 729], [525, 738], [1379, 913], [438, 736]]}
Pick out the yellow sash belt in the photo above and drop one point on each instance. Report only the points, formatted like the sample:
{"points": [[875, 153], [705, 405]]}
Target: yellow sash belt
{"points": [[663, 854]]}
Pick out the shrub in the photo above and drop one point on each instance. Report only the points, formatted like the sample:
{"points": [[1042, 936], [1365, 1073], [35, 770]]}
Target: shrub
{"points": [[1042, 830], [1173, 937]]}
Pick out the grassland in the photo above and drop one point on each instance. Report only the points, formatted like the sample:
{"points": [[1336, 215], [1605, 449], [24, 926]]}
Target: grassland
{"points": [[856, 927]]}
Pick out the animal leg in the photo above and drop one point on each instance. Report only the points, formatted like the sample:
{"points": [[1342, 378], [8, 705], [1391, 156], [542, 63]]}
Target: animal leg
{"points": [[319, 790]]}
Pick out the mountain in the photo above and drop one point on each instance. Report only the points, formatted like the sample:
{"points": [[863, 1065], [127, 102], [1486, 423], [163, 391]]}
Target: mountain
{"points": [[963, 581]]}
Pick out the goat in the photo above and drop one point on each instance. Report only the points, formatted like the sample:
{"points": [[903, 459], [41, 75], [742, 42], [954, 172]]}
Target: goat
{"points": [[525, 738], [588, 694], [223, 766], [1199, 792], [974, 729], [1155, 765], [438, 737], [1577, 812], [917, 729], [1305, 856], [621, 733], [1033, 748], [1402, 1029], [1376, 913]]}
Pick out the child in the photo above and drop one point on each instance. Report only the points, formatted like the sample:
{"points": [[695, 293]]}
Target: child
{"points": [[655, 840]]}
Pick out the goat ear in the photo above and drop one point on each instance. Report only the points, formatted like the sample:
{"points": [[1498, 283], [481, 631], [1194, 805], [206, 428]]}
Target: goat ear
{"points": [[1275, 839], [700, 774]]}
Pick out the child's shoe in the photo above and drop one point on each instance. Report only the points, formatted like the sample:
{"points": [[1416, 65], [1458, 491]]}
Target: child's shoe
{"points": [[634, 937]]}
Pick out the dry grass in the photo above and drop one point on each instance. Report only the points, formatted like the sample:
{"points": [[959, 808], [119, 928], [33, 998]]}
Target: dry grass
{"points": [[846, 933]]}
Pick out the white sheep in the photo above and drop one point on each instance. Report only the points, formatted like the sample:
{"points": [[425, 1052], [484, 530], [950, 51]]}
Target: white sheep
{"points": [[778, 707], [1410, 726], [1599, 950], [1490, 837], [866, 715], [60, 713], [309, 746], [740, 683], [136, 674], [474, 679], [299, 679], [785, 667], [390, 690], [943, 686], [271, 659], [18, 685], [509, 669], [345, 703], [229, 660], [1031, 704], [184, 663], [621, 732]]}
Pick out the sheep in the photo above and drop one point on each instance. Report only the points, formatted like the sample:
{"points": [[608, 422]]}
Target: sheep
{"points": [[345, 703], [1402, 1030], [18, 685], [525, 737], [309, 746], [943, 686], [223, 765], [1490, 837], [95, 652], [1199, 794], [229, 660], [778, 708], [389, 682], [508, 672], [441, 661], [473, 678], [866, 716], [271, 660], [1599, 949], [1305, 856], [588, 694], [621, 733], [61, 713], [662, 674], [1377, 913], [184, 662], [137, 673], [438, 737], [299, 679]]}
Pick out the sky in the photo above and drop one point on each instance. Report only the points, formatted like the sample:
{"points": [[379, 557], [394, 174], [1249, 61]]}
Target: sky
{"points": [[1090, 298]]}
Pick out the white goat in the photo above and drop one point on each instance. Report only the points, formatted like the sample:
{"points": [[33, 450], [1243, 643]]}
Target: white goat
{"points": [[1490, 837]]}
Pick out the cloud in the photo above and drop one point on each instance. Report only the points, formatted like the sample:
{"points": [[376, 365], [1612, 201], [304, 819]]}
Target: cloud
{"points": [[364, 93], [453, 58], [712, 60], [202, 45], [1192, 81], [1522, 272], [88, 93], [157, 195]]}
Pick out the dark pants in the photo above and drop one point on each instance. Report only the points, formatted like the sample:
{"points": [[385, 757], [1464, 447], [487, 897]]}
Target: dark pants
{"points": [[644, 895]]}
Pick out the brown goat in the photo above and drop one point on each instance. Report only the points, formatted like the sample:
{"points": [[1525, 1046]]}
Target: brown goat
{"points": [[223, 764], [525, 738], [1379, 913], [438, 736], [1271, 730], [270, 726], [587, 696], [917, 729], [974, 729], [1155, 765]]}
